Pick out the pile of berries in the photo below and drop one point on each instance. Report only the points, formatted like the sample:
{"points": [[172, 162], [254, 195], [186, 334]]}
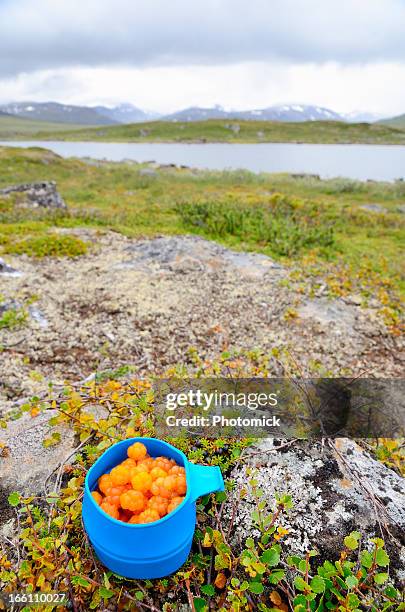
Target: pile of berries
{"points": [[141, 489]]}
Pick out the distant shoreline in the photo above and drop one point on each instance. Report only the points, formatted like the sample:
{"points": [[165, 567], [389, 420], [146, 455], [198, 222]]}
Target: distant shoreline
{"points": [[208, 132]]}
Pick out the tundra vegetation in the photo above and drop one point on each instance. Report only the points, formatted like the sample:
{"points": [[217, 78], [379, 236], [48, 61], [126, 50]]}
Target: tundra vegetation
{"points": [[307, 224], [213, 130]]}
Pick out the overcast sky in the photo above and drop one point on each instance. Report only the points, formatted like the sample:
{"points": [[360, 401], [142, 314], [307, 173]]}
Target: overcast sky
{"points": [[164, 55]]}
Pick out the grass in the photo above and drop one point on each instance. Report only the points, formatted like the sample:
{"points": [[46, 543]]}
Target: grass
{"points": [[309, 223], [395, 122], [19, 127], [219, 131]]}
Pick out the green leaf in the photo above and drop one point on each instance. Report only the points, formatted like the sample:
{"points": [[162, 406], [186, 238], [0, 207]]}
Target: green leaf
{"points": [[270, 557], [351, 582], [200, 604], [80, 581], [293, 560], [352, 540], [390, 591], [220, 496], [139, 595], [276, 576], [14, 499], [381, 578], [353, 601], [300, 584], [95, 601], [105, 593], [378, 542], [300, 600], [208, 589], [317, 584], [366, 559], [256, 587], [382, 559]]}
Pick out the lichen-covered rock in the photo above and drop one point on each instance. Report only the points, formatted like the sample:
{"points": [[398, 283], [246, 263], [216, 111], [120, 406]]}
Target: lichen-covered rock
{"points": [[37, 195], [25, 463], [7, 270], [184, 254], [335, 489]]}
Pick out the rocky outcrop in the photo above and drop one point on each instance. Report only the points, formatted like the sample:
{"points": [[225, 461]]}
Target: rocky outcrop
{"points": [[26, 463], [184, 254], [37, 195], [7, 270], [335, 487]]}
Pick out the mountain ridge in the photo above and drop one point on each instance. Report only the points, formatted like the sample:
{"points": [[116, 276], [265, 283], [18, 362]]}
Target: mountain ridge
{"points": [[127, 113], [279, 112], [396, 122]]}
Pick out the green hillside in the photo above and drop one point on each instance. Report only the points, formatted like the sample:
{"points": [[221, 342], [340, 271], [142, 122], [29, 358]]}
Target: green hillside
{"points": [[395, 122], [18, 127], [218, 131]]}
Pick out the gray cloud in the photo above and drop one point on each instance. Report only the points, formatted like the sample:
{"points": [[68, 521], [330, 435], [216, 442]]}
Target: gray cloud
{"points": [[44, 34]]}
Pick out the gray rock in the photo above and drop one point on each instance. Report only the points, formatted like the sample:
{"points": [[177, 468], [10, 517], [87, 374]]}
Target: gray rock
{"points": [[326, 312], [372, 207], [7, 270], [27, 463], [183, 254], [9, 305], [37, 195], [38, 316], [34, 313], [332, 492], [401, 209], [301, 175], [147, 172]]}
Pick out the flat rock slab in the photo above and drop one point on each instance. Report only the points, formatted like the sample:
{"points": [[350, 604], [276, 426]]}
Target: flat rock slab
{"points": [[333, 492], [26, 463], [334, 312], [184, 254]]}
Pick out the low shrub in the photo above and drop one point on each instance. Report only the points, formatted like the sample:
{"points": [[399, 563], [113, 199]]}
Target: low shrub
{"points": [[287, 226], [49, 245]]}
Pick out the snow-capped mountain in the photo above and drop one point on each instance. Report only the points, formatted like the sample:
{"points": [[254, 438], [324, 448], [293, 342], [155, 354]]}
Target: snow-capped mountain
{"points": [[58, 113], [197, 113], [284, 112], [70, 113], [126, 113]]}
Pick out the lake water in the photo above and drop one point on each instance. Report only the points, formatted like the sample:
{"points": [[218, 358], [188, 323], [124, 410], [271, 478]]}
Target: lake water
{"points": [[377, 162]]}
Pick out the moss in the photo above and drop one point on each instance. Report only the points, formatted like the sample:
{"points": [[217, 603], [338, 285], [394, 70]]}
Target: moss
{"points": [[13, 318], [50, 245]]}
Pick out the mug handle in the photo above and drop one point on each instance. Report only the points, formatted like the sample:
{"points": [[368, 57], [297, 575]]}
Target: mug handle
{"points": [[204, 479]]}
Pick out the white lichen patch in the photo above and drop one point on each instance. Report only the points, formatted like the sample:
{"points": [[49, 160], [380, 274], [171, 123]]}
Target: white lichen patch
{"points": [[273, 480], [332, 491]]}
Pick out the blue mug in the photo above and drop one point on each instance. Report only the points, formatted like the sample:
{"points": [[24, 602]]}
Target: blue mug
{"points": [[151, 550]]}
